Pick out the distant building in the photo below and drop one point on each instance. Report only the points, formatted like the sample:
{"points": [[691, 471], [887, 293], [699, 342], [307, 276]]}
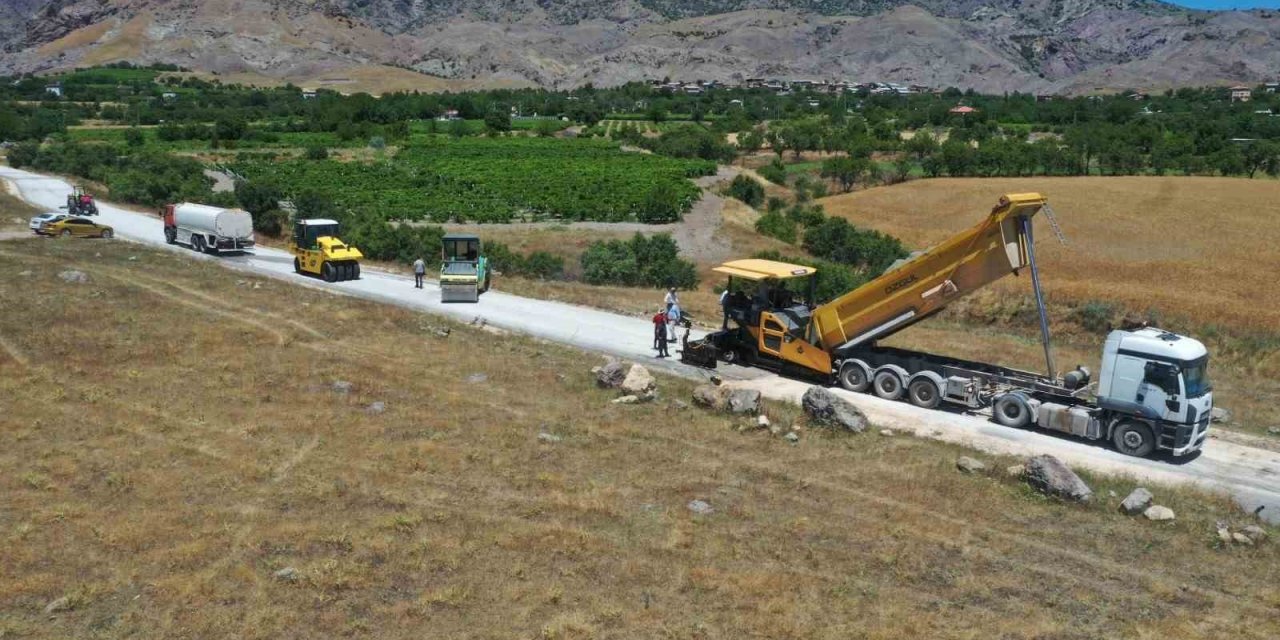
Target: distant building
{"points": [[308, 94], [1271, 87], [54, 89], [169, 96], [962, 110], [692, 89], [1045, 97], [754, 83], [449, 114], [735, 103], [1241, 93]]}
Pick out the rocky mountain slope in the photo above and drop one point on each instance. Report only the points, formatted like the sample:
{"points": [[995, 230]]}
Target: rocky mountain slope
{"points": [[1003, 45]]}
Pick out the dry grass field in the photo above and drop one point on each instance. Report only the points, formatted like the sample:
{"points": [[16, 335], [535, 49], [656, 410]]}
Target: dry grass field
{"points": [[174, 438], [1196, 255]]}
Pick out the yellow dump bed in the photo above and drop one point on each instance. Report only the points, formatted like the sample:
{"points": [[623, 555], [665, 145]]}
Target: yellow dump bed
{"points": [[929, 281]]}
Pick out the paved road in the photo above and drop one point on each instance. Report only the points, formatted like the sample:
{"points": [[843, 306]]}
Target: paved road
{"points": [[1251, 475]]}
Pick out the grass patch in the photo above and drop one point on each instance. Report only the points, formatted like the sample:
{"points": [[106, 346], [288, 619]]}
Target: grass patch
{"points": [[175, 440]]}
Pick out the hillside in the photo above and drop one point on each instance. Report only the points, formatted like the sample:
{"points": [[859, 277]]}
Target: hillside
{"points": [[1006, 45]]}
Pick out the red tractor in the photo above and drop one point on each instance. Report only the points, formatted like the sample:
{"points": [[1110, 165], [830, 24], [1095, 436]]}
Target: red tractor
{"points": [[80, 203]]}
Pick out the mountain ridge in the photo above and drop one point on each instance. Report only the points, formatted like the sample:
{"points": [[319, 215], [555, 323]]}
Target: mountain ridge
{"points": [[1067, 46]]}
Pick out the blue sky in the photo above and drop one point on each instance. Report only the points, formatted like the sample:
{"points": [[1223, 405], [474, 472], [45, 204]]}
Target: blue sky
{"points": [[1228, 4]]}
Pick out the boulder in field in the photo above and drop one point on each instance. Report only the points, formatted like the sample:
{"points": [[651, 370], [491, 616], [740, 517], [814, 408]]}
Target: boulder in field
{"points": [[611, 375], [1050, 476], [638, 382], [1136, 502], [828, 409]]}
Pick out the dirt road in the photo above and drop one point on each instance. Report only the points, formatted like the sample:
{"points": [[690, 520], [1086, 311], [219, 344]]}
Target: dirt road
{"points": [[1249, 474]]}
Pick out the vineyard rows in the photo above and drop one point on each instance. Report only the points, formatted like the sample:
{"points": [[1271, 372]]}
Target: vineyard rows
{"points": [[494, 180]]}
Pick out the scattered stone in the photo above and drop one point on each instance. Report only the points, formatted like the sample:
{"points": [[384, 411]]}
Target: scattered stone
{"points": [[1275, 431], [716, 380], [762, 421], [626, 400], [241, 283], [1137, 502], [479, 321], [708, 396], [1158, 513], [828, 409], [611, 375], [61, 604], [549, 438], [257, 285], [1015, 470], [1224, 534], [1219, 414], [888, 433], [24, 274], [72, 275], [1112, 494], [133, 258], [679, 404], [342, 386], [970, 465], [1050, 476], [700, 507], [743, 401], [1241, 538], [377, 407], [775, 430], [477, 378], [443, 332], [792, 437], [638, 382], [287, 574], [1255, 533]]}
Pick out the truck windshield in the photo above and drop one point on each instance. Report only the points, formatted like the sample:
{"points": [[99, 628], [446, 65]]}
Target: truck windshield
{"points": [[1196, 376]]}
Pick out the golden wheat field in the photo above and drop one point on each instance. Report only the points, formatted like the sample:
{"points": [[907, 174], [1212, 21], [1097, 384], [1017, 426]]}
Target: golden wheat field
{"points": [[1204, 251], [180, 462]]}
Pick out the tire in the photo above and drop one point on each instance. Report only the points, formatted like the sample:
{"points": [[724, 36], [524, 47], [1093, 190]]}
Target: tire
{"points": [[66, 233], [887, 385], [923, 392], [106, 234], [328, 272], [355, 271], [853, 377], [1134, 438], [197, 244], [485, 288], [170, 236], [1012, 410], [346, 271], [730, 356], [297, 265]]}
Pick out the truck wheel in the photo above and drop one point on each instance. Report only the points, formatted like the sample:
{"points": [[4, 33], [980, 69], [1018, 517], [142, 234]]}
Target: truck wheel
{"points": [[853, 376], [170, 235], [297, 265], [923, 392], [1134, 438], [486, 284], [328, 272], [887, 385], [197, 243], [1012, 410], [355, 271], [347, 271]]}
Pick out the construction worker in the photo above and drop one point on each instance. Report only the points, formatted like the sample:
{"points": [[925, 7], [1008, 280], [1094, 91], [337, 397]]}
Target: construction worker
{"points": [[660, 333], [419, 271], [673, 319], [724, 307], [671, 299]]}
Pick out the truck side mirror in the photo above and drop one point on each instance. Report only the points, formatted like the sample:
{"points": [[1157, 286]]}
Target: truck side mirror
{"points": [[1173, 405]]}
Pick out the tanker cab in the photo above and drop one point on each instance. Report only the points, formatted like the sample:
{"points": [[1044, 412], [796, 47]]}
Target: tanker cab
{"points": [[1161, 378]]}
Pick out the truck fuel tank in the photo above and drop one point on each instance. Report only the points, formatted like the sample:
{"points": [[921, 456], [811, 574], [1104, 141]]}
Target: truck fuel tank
{"points": [[1077, 420]]}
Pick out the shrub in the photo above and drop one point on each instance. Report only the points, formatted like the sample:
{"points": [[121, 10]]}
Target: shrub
{"points": [[1095, 315], [661, 205], [774, 172], [640, 261], [747, 190], [539, 264], [23, 154], [838, 241], [317, 152], [270, 222], [777, 225], [832, 279]]}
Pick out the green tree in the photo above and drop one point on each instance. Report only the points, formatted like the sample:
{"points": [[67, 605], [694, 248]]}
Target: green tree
{"points": [[747, 190], [134, 137], [497, 120], [846, 170]]}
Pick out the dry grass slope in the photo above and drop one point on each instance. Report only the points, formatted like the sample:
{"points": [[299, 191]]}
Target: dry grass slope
{"points": [[173, 439]]}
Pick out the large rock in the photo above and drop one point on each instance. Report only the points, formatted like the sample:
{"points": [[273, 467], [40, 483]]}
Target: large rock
{"points": [[829, 410], [639, 382], [970, 465], [742, 400], [727, 398], [72, 275], [1050, 476], [611, 375], [1136, 502], [1219, 414], [1158, 513]]}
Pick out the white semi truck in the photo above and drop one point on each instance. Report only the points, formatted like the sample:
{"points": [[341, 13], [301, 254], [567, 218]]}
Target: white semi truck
{"points": [[207, 229]]}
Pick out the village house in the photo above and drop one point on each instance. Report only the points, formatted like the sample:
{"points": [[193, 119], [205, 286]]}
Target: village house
{"points": [[1241, 93]]}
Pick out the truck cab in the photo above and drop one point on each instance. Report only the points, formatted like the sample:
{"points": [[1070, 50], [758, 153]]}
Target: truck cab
{"points": [[1160, 378]]}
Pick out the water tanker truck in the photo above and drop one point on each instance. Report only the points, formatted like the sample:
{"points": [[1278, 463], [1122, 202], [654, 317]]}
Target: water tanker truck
{"points": [[1152, 393], [207, 229]]}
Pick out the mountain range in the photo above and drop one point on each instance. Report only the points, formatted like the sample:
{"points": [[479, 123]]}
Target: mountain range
{"points": [[1067, 46]]}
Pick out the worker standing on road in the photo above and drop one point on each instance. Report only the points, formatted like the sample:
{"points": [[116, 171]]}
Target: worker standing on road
{"points": [[660, 333], [673, 319], [671, 299], [724, 307], [419, 270]]}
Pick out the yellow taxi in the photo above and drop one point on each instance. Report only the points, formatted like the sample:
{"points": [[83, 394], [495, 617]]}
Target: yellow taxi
{"points": [[75, 226]]}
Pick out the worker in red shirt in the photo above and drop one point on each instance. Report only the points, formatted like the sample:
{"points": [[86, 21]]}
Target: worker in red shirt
{"points": [[660, 333]]}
